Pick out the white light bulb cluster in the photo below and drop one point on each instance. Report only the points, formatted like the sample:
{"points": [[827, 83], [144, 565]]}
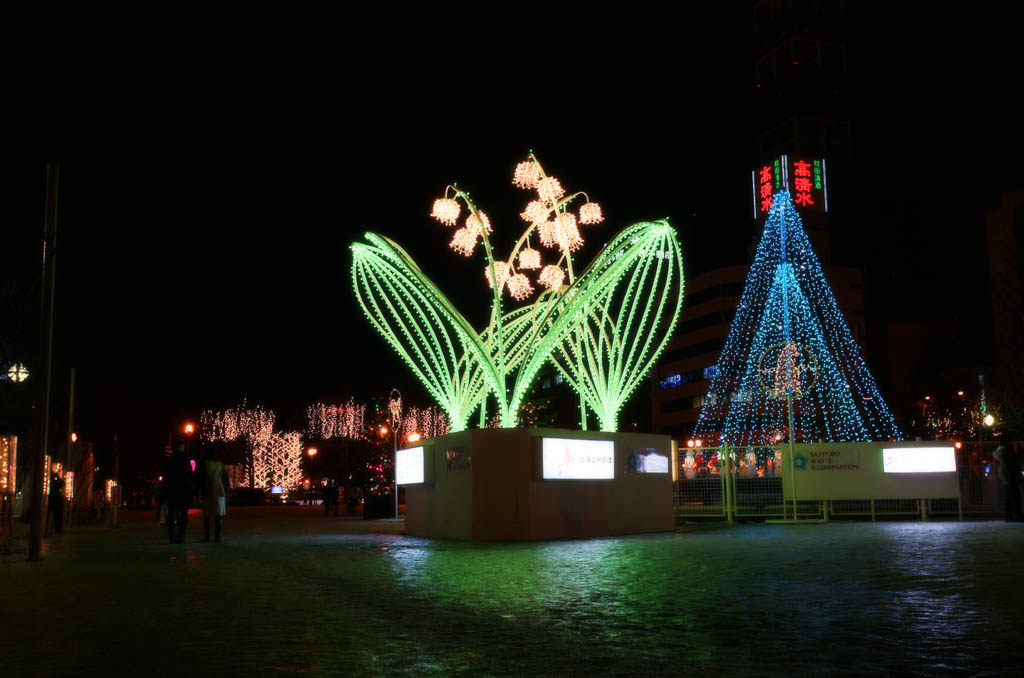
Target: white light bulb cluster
{"points": [[446, 210], [529, 259], [556, 226], [501, 272], [526, 175], [551, 277]]}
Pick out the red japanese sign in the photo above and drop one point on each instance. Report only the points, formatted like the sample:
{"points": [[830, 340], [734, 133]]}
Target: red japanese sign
{"points": [[804, 179]]}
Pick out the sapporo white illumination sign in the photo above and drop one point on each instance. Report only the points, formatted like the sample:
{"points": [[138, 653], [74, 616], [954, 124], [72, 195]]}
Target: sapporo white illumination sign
{"points": [[919, 460], [569, 459], [409, 469]]}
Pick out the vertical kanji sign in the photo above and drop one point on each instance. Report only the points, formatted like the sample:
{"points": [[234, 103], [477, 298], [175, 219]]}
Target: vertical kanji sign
{"points": [[805, 179]]}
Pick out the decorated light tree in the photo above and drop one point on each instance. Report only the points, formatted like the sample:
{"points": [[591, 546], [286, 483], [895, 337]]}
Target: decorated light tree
{"points": [[603, 328], [790, 368]]}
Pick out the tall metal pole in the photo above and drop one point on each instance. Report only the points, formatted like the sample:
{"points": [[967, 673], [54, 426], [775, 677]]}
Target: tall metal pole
{"points": [[785, 339], [115, 492], [396, 472], [71, 415], [792, 454], [69, 460], [35, 544]]}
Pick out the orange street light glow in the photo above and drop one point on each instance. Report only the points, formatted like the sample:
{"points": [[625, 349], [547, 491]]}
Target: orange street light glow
{"points": [[311, 451], [383, 430], [74, 437], [413, 437], [189, 428]]}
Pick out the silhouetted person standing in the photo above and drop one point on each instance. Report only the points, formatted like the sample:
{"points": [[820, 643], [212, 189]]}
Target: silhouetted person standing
{"points": [[55, 505], [1009, 474], [214, 488], [330, 497], [178, 493]]}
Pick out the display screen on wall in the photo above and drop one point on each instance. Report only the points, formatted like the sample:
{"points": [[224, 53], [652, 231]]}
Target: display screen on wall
{"points": [[409, 469], [457, 459], [647, 460], [919, 460], [570, 459]]}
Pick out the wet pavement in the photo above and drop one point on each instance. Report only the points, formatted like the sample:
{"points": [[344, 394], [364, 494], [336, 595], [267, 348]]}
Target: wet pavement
{"points": [[290, 591]]}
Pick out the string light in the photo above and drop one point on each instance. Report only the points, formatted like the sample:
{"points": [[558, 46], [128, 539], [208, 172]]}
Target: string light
{"points": [[519, 286], [790, 338], [446, 210], [500, 271], [529, 259], [475, 224], [551, 277], [567, 232], [464, 241], [550, 189], [8, 462], [548, 233], [603, 330], [590, 213], [347, 420], [527, 175], [536, 212]]}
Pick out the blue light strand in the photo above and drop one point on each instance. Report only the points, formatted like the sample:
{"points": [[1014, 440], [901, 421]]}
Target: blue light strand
{"points": [[787, 298]]}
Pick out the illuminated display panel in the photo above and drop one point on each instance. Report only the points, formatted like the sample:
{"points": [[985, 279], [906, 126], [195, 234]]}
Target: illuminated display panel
{"points": [[919, 460], [804, 178], [409, 469], [647, 460], [570, 459]]}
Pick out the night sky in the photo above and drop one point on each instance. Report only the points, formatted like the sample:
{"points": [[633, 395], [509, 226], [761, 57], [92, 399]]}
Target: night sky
{"points": [[217, 163]]}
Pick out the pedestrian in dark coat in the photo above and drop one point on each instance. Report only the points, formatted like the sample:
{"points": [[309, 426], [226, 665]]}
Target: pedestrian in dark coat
{"points": [[1009, 473], [178, 493], [55, 504]]}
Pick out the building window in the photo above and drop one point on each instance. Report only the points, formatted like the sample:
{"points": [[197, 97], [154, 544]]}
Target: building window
{"points": [[709, 372], [698, 401], [559, 379]]}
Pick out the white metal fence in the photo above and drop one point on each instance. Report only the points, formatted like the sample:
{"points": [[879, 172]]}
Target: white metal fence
{"points": [[729, 483]]}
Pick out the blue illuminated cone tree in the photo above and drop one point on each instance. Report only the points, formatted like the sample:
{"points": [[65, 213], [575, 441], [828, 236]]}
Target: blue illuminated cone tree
{"points": [[790, 361]]}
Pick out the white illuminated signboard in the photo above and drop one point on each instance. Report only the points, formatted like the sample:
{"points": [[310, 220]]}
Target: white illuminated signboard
{"points": [[409, 469], [569, 459], [919, 460]]}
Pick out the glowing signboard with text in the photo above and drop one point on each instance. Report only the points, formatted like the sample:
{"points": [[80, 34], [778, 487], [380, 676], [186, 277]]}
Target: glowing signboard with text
{"points": [[919, 460], [804, 178], [409, 466], [570, 459]]}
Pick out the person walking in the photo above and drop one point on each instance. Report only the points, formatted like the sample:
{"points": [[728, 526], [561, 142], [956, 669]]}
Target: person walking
{"points": [[215, 489], [1009, 474], [330, 496], [55, 504], [178, 493]]}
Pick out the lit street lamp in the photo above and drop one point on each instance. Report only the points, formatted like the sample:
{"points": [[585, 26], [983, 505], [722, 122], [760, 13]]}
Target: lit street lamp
{"points": [[17, 373], [189, 428]]}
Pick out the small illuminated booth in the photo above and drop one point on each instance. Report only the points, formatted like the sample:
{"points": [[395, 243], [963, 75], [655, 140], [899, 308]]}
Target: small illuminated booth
{"points": [[532, 484]]}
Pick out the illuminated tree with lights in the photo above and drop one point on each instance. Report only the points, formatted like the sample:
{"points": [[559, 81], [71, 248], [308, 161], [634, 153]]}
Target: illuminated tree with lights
{"points": [[790, 362], [602, 328]]}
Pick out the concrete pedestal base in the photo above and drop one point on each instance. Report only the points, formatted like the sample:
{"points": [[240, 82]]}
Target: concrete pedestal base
{"points": [[487, 484]]}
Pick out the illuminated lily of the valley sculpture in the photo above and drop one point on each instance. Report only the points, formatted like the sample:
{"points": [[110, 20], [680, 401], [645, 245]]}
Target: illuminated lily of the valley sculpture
{"points": [[602, 329]]}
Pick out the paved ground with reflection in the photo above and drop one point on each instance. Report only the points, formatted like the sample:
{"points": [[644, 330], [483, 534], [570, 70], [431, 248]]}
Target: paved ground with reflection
{"points": [[292, 591]]}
